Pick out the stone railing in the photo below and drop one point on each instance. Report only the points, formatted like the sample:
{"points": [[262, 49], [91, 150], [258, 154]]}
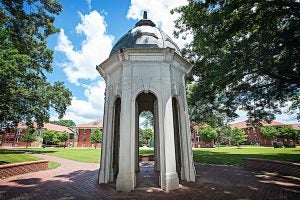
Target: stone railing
{"points": [[22, 168], [281, 167]]}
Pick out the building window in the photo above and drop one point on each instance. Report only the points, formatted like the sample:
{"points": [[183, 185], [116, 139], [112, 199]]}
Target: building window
{"points": [[19, 131], [84, 139], [17, 139], [197, 139], [84, 131]]}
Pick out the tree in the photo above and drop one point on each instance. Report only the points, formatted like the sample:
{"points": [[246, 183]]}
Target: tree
{"points": [[288, 132], [96, 137], [224, 134], [30, 135], [63, 137], [268, 132], [145, 136], [206, 112], [237, 136], [245, 54], [25, 93], [64, 122], [208, 134], [148, 119], [48, 136]]}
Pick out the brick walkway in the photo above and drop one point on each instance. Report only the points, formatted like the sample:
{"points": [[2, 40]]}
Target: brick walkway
{"points": [[75, 180]]}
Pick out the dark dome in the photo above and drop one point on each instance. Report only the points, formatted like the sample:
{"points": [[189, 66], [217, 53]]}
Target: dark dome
{"points": [[145, 35]]}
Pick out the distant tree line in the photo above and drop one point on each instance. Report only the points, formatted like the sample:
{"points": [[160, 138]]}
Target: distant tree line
{"points": [[55, 137], [236, 136]]}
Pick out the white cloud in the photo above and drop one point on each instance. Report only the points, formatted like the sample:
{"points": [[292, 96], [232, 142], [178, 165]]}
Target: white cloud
{"points": [[284, 117], [82, 111], [81, 64], [159, 13], [89, 3]]}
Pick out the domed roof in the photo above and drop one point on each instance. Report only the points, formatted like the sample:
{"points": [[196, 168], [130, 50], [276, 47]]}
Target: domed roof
{"points": [[145, 34]]}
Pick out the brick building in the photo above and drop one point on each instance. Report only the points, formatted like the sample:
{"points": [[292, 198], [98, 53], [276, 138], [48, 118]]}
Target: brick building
{"points": [[13, 137], [196, 139], [254, 135], [84, 133]]}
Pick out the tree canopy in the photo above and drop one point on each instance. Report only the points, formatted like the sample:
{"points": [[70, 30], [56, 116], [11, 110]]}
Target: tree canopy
{"points": [[55, 137], [208, 134], [269, 132], [145, 135], [64, 122], [25, 93], [96, 136], [246, 56], [30, 135], [237, 136], [288, 132], [147, 119]]}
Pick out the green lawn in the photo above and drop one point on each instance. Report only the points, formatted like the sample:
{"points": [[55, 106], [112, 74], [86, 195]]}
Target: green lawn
{"points": [[234, 156], [53, 165], [10, 156], [223, 155], [81, 155]]}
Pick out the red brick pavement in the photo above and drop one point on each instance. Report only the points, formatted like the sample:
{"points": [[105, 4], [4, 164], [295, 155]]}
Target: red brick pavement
{"points": [[75, 180]]}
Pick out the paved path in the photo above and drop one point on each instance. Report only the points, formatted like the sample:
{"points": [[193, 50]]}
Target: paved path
{"points": [[75, 180]]}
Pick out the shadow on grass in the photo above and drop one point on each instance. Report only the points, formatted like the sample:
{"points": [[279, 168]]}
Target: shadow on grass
{"points": [[6, 151], [3, 162], [226, 158], [37, 151]]}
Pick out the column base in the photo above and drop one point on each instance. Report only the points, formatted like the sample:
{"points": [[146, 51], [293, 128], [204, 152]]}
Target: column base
{"points": [[125, 182], [171, 182], [102, 178]]}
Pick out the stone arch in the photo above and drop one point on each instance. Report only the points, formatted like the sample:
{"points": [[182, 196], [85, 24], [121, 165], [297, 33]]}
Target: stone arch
{"points": [[116, 136], [177, 134], [147, 101], [187, 162]]}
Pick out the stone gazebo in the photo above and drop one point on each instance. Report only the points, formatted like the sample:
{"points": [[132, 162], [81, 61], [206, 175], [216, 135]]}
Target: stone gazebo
{"points": [[145, 72]]}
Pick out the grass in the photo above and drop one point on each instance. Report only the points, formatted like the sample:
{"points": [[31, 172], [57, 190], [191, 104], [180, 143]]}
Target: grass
{"points": [[222, 155], [10, 156], [146, 150], [81, 155], [234, 155], [53, 165]]}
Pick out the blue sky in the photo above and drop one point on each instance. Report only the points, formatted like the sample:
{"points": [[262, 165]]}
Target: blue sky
{"points": [[89, 29]]}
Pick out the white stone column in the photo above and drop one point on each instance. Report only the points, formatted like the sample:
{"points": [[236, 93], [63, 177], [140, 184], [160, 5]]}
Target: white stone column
{"points": [[169, 179], [187, 153], [137, 166], [126, 176], [106, 153], [156, 137]]}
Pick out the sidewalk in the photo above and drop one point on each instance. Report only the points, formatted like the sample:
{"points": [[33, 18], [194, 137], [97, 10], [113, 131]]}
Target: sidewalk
{"points": [[75, 180]]}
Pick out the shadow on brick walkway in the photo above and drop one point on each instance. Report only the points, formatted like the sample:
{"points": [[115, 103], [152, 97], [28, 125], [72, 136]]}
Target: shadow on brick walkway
{"points": [[213, 182]]}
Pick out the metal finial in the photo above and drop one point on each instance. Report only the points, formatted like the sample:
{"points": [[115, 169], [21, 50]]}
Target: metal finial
{"points": [[145, 15]]}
